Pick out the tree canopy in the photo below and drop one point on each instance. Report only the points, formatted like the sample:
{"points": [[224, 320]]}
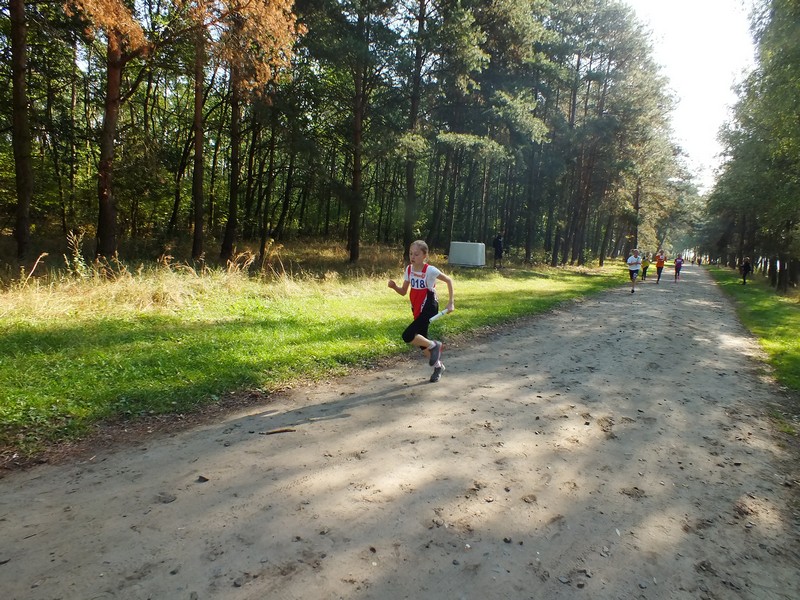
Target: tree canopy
{"points": [[754, 209], [237, 123]]}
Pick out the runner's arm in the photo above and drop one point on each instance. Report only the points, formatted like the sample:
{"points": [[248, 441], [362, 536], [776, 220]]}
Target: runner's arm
{"points": [[400, 289]]}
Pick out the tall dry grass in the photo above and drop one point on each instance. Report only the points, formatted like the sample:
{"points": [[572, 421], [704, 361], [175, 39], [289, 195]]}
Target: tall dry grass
{"points": [[82, 287]]}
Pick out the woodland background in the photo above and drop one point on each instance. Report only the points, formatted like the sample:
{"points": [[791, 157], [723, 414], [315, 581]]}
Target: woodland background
{"points": [[201, 130]]}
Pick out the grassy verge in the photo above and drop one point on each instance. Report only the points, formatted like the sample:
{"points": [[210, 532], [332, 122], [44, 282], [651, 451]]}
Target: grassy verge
{"points": [[774, 320], [81, 351]]}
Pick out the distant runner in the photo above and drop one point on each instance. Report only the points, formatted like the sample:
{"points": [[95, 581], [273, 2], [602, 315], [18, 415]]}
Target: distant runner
{"points": [[634, 264], [678, 265], [660, 259]]}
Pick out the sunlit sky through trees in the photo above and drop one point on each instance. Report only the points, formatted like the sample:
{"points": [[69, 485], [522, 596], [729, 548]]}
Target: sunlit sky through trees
{"points": [[705, 47]]}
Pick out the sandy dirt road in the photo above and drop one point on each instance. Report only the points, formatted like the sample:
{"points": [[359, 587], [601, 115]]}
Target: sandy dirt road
{"points": [[615, 448]]}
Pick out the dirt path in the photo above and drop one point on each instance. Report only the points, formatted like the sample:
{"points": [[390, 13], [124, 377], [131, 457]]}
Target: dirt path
{"points": [[615, 448]]}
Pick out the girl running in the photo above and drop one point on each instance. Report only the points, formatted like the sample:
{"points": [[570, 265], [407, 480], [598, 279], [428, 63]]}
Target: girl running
{"points": [[421, 278]]}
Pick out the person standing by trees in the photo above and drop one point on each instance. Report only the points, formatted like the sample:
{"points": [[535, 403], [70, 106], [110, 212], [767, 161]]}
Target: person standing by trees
{"points": [[746, 269], [661, 258], [497, 244], [634, 264], [421, 278]]}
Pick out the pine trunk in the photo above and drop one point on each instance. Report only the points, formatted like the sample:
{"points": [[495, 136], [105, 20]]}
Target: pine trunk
{"points": [[107, 209], [199, 134], [21, 134], [229, 238]]}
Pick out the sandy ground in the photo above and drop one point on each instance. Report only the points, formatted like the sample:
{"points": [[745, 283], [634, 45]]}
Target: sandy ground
{"points": [[615, 448]]}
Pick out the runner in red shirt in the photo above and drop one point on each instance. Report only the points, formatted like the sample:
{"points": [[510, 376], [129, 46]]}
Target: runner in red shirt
{"points": [[421, 278], [660, 259]]}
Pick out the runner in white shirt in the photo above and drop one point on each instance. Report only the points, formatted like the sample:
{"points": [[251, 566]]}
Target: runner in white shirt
{"points": [[634, 264]]}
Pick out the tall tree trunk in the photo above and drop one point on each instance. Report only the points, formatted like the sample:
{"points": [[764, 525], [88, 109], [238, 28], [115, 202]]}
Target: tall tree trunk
{"points": [[637, 206], [463, 205], [107, 213], [212, 204], [248, 224], [21, 133], [782, 283], [172, 225], [148, 124], [562, 243], [265, 224], [52, 143], [585, 198], [556, 246], [551, 216], [329, 196], [772, 271], [381, 196], [606, 239], [73, 150], [794, 272], [287, 196], [359, 114], [451, 201], [199, 134], [410, 213], [229, 238], [532, 212], [740, 251], [441, 177], [305, 192], [394, 193], [481, 221]]}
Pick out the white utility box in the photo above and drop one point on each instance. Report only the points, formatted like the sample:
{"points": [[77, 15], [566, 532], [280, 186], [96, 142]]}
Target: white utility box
{"points": [[467, 254]]}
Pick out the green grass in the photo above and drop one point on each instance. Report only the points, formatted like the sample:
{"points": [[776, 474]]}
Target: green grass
{"points": [[75, 353], [772, 318]]}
